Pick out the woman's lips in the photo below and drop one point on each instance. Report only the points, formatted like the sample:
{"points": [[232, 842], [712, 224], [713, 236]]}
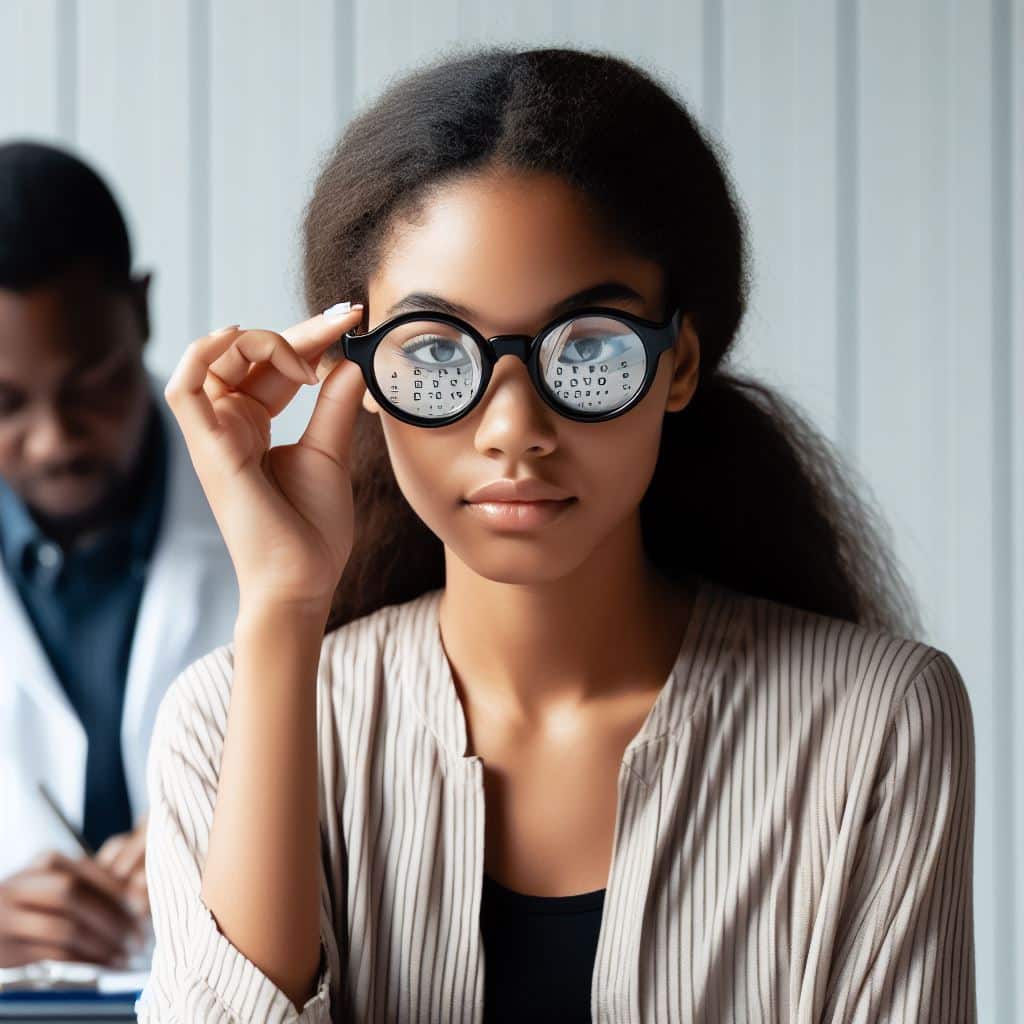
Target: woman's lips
{"points": [[519, 515]]}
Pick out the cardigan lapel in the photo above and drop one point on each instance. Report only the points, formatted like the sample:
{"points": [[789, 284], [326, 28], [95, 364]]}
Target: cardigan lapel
{"points": [[428, 684]]}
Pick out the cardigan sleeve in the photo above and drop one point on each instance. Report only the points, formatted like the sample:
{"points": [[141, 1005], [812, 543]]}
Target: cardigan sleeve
{"points": [[904, 947], [197, 976]]}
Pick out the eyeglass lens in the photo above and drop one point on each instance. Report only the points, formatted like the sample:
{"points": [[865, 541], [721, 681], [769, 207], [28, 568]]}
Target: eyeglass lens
{"points": [[432, 370]]}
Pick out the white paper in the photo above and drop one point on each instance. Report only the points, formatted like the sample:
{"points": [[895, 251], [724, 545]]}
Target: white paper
{"points": [[68, 975]]}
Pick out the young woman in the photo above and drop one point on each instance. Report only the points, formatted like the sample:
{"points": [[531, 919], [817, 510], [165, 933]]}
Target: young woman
{"points": [[616, 711]]}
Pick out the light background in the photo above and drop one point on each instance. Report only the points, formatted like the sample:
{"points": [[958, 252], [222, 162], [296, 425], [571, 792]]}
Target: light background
{"points": [[878, 148]]}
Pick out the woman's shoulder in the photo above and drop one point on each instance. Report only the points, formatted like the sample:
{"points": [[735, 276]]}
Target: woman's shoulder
{"points": [[851, 673], [846, 699], [373, 644], [355, 659], [389, 616]]}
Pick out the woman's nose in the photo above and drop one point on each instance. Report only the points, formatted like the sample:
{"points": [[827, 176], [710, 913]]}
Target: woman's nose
{"points": [[513, 417]]}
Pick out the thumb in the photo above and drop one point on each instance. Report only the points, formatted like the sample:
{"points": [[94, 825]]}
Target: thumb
{"points": [[106, 855], [333, 419]]}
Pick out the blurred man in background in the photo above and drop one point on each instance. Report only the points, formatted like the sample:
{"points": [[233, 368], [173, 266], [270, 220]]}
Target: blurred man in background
{"points": [[113, 575]]}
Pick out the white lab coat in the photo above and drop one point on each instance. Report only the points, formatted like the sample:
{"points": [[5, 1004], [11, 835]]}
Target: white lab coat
{"points": [[189, 605]]}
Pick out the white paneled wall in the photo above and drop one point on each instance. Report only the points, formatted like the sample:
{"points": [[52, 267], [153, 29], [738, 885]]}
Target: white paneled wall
{"points": [[877, 147]]}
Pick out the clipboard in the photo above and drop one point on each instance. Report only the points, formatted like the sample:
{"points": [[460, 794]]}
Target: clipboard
{"points": [[49, 1007], [58, 990], [52, 990]]}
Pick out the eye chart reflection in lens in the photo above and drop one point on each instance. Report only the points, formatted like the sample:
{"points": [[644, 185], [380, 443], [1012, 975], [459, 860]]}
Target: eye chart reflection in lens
{"points": [[593, 364], [428, 369], [433, 370]]}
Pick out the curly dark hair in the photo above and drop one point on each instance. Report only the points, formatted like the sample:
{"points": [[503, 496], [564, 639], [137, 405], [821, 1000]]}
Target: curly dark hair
{"points": [[746, 491]]}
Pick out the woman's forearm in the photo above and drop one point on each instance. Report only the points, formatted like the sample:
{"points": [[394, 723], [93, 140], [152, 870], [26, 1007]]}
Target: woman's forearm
{"points": [[261, 876]]}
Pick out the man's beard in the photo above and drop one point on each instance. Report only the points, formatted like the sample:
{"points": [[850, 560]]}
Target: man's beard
{"points": [[65, 528]]}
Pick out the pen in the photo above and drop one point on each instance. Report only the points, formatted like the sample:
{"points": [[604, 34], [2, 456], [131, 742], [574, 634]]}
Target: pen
{"points": [[75, 834], [82, 842]]}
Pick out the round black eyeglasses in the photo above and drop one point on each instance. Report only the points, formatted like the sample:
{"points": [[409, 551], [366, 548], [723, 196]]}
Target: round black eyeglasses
{"points": [[591, 365]]}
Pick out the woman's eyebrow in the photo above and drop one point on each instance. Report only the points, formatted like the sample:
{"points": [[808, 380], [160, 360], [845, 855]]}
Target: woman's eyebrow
{"points": [[603, 292]]}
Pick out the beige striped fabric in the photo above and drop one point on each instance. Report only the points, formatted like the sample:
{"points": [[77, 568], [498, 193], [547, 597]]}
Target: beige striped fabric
{"points": [[793, 839]]}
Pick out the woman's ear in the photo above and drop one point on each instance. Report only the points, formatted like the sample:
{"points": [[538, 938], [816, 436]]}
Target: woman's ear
{"points": [[686, 362]]}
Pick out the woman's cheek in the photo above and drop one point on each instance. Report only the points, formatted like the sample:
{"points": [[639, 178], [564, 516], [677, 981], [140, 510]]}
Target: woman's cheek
{"points": [[618, 458], [420, 470]]}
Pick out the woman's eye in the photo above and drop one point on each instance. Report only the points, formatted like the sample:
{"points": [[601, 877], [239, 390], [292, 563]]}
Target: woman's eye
{"points": [[592, 350], [443, 352]]}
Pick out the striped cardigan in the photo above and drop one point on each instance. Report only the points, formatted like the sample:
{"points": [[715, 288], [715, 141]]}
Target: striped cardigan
{"points": [[793, 835]]}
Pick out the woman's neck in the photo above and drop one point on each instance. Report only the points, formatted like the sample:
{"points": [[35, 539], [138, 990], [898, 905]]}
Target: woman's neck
{"points": [[532, 650]]}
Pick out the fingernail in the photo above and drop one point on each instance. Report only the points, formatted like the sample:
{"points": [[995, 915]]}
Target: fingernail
{"points": [[337, 311], [340, 309], [224, 330]]}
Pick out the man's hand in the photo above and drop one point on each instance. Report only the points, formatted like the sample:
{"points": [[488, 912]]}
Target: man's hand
{"points": [[63, 908], [124, 856]]}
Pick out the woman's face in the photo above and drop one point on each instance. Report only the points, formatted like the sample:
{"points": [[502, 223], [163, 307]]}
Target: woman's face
{"points": [[509, 249]]}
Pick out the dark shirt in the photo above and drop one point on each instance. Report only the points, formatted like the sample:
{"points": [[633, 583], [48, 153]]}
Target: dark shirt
{"points": [[538, 954], [83, 603]]}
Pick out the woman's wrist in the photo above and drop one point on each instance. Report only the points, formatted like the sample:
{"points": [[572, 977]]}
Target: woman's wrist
{"points": [[260, 612]]}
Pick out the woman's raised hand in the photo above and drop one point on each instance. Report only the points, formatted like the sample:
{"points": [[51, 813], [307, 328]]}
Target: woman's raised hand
{"points": [[285, 512]]}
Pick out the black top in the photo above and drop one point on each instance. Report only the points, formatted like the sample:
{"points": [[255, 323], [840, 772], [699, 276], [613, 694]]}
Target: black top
{"points": [[538, 954]]}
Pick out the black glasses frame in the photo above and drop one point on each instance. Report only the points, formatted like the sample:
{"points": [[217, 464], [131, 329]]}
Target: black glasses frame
{"points": [[656, 336]]}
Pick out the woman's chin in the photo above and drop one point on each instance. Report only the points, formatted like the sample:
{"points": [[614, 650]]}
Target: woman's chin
{"points": [[515, 559]]}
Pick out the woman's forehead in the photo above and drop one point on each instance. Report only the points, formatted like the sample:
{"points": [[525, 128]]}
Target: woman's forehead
{"points": [[508, 254], [538, 218]]}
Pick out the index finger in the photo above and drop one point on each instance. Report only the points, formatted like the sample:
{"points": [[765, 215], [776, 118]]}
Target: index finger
{"points": [[310, 339], [84, 866], [89, 871], [110, 889], [117, 889], [128, 855]]}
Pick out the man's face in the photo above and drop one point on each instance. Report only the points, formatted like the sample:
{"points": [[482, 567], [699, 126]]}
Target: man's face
{"points": [[74, 397]]}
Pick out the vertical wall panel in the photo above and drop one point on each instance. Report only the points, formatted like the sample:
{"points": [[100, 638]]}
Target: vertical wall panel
{"points": [[272, 116], [273, 113], [134, 119], [32, 86], [810, 331], [968, 406], [668, 41], [893, 391], [530, 21], [1008, 211], [778, 117], [393, 36], [925, 426]]}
